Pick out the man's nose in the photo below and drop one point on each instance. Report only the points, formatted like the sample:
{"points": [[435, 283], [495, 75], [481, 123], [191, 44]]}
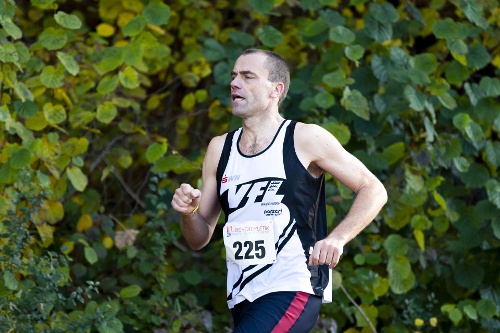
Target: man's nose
{"points": [[235, 83]]}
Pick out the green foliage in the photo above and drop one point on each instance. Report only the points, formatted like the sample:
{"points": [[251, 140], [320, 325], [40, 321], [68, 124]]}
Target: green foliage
{"points": [[106, 109]]}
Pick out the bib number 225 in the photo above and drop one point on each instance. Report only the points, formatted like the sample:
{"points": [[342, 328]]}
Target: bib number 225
{"points": [[255, 249]]}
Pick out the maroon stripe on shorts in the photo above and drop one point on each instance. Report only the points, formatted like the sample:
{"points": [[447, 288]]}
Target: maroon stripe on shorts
{"points": [[292, 313]]}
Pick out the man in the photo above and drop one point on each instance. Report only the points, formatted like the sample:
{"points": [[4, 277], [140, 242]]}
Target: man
{"points": [[268, 177]]}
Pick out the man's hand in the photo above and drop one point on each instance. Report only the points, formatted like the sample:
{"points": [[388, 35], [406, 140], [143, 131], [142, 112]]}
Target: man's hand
{"points": [[186, 199], [326, 251]]}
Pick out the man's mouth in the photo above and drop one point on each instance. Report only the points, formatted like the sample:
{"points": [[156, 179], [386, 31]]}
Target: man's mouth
{"points": [[237, 97]]}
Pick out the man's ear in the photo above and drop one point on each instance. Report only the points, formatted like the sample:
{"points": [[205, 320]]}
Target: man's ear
{"points": [[278, 89]]}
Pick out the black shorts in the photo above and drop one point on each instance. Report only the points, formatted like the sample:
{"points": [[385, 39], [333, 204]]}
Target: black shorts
{"points": [[278, 312]]}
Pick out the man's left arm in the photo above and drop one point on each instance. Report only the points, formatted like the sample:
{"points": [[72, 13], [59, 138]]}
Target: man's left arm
{"points": [[326, 153]]}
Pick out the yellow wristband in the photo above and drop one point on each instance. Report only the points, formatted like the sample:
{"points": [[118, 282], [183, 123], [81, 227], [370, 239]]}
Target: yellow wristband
{"points": [[194, 210]]}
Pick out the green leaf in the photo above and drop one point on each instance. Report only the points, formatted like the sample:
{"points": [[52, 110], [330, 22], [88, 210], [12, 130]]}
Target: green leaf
{"points": [[261, 6], [468, 275], [340, 131], [112, 58], [269, 36], [486, 308], [342, 35], [10, 280], [425, 62], [378, 31], [8, 53], [129, 78], [44, 4], [68, 21], [456, 73], [77, 178], [69, 63], [10, 28], [401, 286], [155, 151], [473, 12], [192, 277], [461, 120], [461, 164], [394, 152], [242, 38], [130, 291], [80, 118], [336, 80], [448, 101], [106, 112], [455, 316], [336, 279], [490, 86], [493, 190], [26, 109], [354, 52], [90, 255], [478, 56], [448, 28], [416, 98], [114, 325], [54, 114], [133, 53], [384, 13], [476, 176], [474, 131], [174, 163], [470, 311], [20, 159], [354, 101], [495, 225], [395, 245], [108, 84], [134, 26], [53, 39], [52, 77], [156, 13], [213, 50], [457, 46], [324, 99]]}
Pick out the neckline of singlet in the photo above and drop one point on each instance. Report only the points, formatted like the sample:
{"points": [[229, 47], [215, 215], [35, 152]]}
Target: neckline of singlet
{"points": [[263, 151]]}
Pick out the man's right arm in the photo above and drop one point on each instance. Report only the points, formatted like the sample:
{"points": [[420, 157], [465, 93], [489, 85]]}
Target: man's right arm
{"points": [[200, 209]]}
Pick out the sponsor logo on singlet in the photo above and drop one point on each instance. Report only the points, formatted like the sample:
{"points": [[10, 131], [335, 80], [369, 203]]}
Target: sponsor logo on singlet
{"points": [[263, 191], [227, 179]]}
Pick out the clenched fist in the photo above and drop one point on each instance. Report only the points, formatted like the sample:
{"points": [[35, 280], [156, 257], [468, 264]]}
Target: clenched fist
{"points": [[186, 199]]}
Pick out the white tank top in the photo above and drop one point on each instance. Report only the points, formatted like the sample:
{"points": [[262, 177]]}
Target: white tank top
{"points": [[274, 186]]}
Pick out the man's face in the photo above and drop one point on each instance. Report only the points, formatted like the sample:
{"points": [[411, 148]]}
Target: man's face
{"points": [[250, 89]]}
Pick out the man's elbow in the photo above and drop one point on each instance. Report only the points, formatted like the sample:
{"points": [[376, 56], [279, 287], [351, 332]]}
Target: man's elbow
{"points": [[382, 194]]}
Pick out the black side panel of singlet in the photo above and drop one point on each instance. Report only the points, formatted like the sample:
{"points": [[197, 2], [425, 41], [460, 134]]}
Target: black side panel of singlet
{"points": [[224, 159], [306, 205]]}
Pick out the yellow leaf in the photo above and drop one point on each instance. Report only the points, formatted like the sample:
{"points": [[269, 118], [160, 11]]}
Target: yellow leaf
{"points": [[107, 242], [37, 122], [67, 247], [420, 238], [46, 233], [419, 322], [84, 223], [153, 102], [461, 58], [188, 102], [496, 61], [105, 30], [433, 321], [54, 211], [124, 18]]}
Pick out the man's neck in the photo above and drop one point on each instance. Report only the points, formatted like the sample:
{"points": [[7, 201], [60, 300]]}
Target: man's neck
{"points": [[258, 133]]}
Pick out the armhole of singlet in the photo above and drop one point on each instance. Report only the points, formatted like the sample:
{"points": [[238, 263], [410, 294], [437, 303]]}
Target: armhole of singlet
{"points": [[224, 158], [290, 144]]}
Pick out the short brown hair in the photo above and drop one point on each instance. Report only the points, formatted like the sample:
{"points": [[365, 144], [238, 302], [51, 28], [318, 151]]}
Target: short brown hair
{"points": [[277, 67]]}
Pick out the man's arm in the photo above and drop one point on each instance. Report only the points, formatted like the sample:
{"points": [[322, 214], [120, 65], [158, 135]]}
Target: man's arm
{"points": [[318, 148], [200, 209]]}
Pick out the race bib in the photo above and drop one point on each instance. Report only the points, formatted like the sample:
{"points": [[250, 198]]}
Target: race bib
{"points": [[250, 243]]}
